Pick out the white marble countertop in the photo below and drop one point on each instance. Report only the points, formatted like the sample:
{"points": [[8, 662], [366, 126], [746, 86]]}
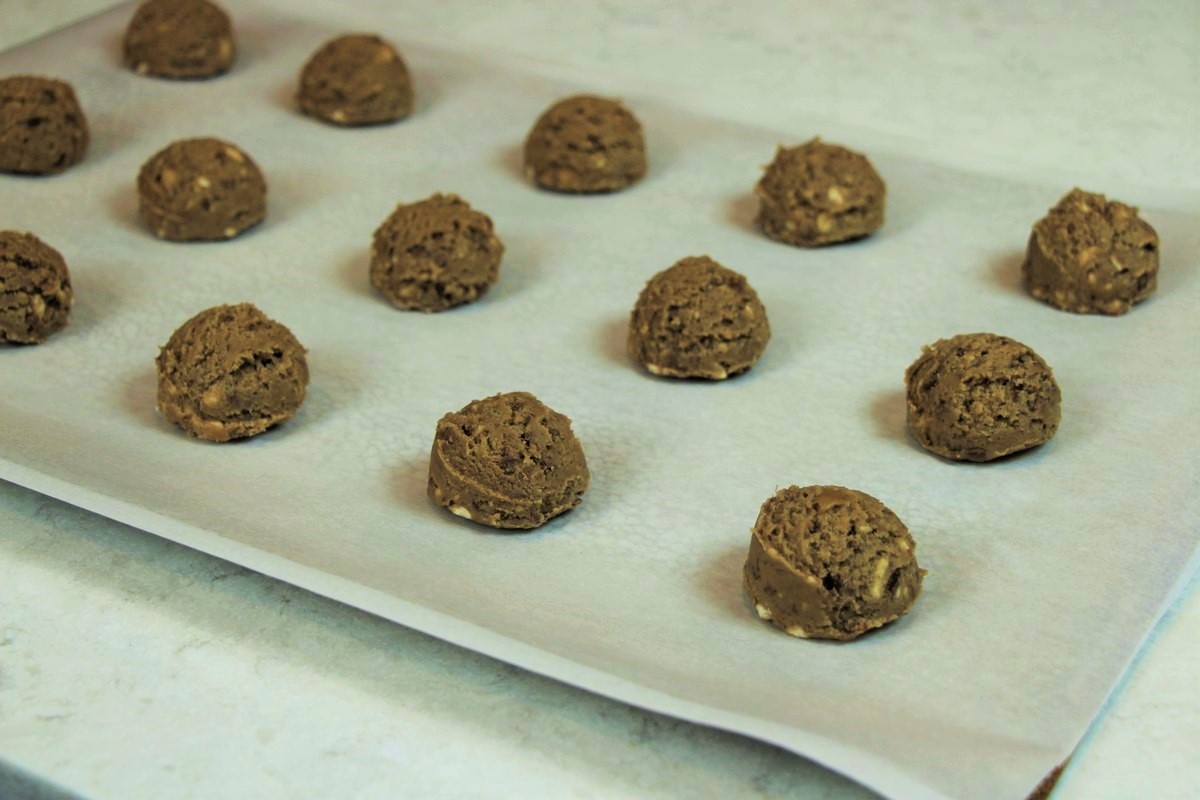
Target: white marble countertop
{"points": [[132, 667]]}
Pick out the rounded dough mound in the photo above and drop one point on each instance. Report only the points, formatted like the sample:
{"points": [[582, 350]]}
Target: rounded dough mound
{"points": [[507, 461], [356, 80], [231, 372], [826, 562], [1091, 255], [698, 320], [585, 144], [979, 396], [435, 254], [42, 128], [201, 190], [817, 194], [35, 289], [184, 39]]}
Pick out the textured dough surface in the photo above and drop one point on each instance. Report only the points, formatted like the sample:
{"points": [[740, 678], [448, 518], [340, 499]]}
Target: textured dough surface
{"points": [[698, 320], [201, 190], [179, 39], [817, 194], [1091, 255], [435, 254], [231, 372], [826, 562], [42, 128], [585, 144], [356, 79], [979, 396], [35, 289], [507, 461]]}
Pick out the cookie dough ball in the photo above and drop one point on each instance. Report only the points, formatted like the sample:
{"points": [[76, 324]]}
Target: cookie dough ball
{"points": [[698, 320], [201, 190], [435, 254], [817, 194], [507, 461], [980, 396], [827, 562], [231, 372], [179, 39], [42, 128], [35, 289], [1091, 255], [585, 144], [356, 80]]}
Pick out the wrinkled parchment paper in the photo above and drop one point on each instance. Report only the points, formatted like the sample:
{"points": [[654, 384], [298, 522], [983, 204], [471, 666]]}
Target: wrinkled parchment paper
{"points": [[1045, 571]]}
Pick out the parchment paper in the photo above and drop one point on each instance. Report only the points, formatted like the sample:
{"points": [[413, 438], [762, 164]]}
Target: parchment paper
{"points": [[1046, 570]]}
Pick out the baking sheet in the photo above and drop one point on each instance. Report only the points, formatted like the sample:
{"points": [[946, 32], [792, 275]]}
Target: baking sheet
{"points": [[1046, 571]]}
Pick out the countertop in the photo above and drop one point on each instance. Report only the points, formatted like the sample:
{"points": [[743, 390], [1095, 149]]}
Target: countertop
{"points": [[133, 667]]}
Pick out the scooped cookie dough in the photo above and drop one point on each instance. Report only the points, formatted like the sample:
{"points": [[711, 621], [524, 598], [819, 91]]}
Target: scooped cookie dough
{"points": [[585, 144], [35, 289], [507, 461], [827, 562], [435, 254], [231, 372], [356, 80], [42, 128], [201, 190], [979, 396], [1091, 255], [817, 194], [179, 39], [698, 320]]}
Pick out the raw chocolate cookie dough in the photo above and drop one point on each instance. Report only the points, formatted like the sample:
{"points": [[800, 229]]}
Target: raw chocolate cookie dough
{"points": [[817, 194], [179, 39], [585, 144], [201, 189], [35, 289], [231, 372], [1091, 255], [355, 80], [979, 396], [507, 461], [42, 128], [830, 563], [698, 320], [435, 254]]}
